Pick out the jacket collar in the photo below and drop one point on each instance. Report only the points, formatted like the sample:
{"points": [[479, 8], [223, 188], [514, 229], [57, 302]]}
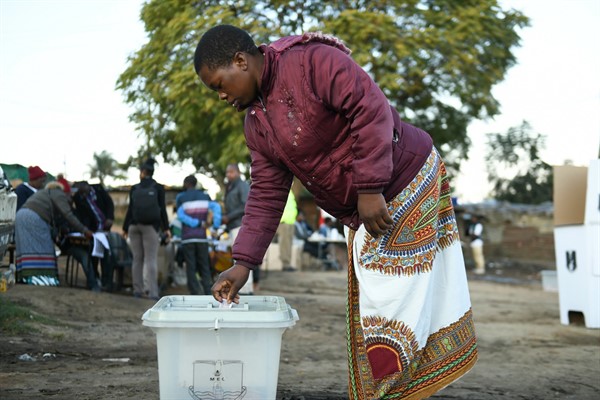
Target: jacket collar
{"points": [[266, 81], [273, 51]]}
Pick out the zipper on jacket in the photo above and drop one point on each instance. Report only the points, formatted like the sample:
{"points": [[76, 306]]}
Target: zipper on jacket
{"points": [[262, 103]]}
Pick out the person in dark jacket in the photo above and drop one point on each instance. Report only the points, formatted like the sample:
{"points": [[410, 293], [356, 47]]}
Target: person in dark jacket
{"points": [[37, 180], [96, 210], [314, 113], [236, 196], [144, 234]]}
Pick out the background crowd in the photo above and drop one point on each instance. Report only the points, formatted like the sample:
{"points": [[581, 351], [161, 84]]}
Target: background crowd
{"points": [[56, 217]]}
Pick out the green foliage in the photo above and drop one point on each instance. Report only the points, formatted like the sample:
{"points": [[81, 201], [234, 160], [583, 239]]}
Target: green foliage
{"points": [[105, 165], [517, 154], [437, 60]]}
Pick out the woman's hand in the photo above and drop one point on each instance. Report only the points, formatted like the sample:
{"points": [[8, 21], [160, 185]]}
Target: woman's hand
{"points": [[373, 212], [229, 283]]}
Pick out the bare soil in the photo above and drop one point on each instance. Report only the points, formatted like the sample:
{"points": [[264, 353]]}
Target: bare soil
{"points": [[93, 345]]}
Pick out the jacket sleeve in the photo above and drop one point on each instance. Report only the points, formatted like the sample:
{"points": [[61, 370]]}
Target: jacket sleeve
{"points": [[215, 208], [268, 194], [128, 215], [344, 87], [186, 219], [164, 217]]}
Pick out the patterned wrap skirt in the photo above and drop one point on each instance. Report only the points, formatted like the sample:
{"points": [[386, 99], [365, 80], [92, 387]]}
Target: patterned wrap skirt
{"points": [[35, 254], [410, 328]]}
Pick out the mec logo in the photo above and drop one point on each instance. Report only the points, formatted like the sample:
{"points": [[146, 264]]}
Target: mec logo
{"points": [[571, 260]]}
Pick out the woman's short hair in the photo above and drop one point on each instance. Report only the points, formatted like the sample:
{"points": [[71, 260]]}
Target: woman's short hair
{"points": [[219, 44]]}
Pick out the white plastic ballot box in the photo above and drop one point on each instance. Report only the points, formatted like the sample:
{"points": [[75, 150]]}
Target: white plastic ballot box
{"points": [[210, 351]]}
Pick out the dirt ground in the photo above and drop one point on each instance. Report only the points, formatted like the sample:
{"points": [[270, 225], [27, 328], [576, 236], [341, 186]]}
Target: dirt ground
{"points": [[94, 346]]}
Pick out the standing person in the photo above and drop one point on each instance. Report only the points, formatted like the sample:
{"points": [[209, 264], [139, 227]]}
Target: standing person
{"points": [[96, 209], [192, 210], [236, 195], [285, 233], [146, 215], [37, 179], [314, 113], [475, 234], [35, 252]]}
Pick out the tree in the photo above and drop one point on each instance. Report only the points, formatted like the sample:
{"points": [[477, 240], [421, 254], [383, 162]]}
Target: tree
{"points": [[436, 60], [104, 166], [516, 155]]}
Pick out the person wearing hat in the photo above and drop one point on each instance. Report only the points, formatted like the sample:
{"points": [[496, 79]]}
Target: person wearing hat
{"points": [[37, 179], [146, 216], [60, 178]]}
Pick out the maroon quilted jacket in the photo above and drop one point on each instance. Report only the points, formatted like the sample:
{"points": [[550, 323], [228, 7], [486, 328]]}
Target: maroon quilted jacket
{"points": [[323, 119]]}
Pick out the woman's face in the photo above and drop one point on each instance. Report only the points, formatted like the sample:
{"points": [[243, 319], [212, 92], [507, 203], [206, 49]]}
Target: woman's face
{"points": [[235, 84]]}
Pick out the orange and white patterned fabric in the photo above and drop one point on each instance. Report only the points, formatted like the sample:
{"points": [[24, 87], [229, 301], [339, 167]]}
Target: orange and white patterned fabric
{"points": [[410, 327]]}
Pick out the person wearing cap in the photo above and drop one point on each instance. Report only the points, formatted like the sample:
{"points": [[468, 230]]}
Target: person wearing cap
{"points": [[144, 233], [37, 179]]}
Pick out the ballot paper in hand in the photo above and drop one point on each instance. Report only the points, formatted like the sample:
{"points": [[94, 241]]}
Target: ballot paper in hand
{"points": [[100, 244]]}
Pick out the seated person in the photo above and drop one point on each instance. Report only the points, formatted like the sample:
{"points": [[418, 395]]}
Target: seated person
{"points": [[95, 209], [326, 227], [303, 231], [79, 247]]}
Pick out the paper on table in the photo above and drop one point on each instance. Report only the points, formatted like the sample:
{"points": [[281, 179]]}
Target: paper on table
{"points": [[100, 243], [316, 236]]}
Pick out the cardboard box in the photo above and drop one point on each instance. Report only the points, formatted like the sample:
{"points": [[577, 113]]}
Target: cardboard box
{"points": [[592, 203], [570, 187]]}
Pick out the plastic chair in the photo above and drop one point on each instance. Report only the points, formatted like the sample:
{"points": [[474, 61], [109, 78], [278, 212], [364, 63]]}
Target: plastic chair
{"points": [[121, 256], [72, 264], [72, 270]]}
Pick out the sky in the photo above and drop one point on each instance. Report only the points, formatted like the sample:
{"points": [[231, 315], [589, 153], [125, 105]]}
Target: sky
{"points": [[60, 60]]}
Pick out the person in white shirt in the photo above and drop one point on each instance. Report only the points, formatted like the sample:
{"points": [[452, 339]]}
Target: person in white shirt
{"points": [[475, 234]]}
